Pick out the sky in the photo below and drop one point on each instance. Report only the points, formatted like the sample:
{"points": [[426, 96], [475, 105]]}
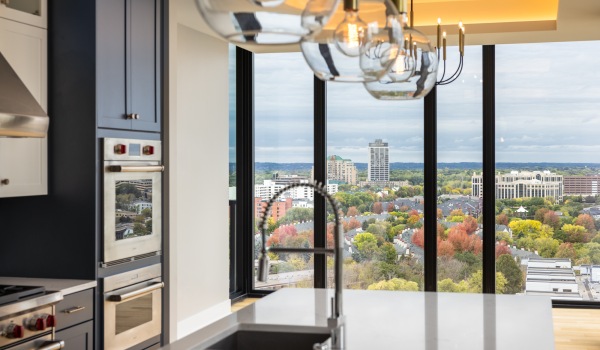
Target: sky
{"points": [[547, 109]]}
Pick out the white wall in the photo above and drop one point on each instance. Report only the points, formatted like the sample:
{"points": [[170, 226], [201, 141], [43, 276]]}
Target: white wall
{"points": [[198, 178]]}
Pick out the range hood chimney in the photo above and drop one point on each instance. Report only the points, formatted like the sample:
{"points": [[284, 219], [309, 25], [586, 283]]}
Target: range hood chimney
{"points": [[20, 114]]}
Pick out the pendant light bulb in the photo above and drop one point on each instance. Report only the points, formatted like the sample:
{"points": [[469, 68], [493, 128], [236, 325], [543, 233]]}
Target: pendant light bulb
{"points": [[403, 67], [350, 33]]}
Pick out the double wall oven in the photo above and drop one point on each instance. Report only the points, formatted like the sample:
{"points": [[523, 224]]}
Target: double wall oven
{"points": [[132, 308]]}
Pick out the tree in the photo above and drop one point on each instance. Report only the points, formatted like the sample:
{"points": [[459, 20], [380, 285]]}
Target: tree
{"points": [[576, 233], [469, 224], [412, 220], [547, 247], [353, 224], [440, 213], [586, 221], [476, 282], [352, 211], [387, 253], [526, 228], [391, 207], [540, 213], [366, 243], [459, 239], [506, 265], [448, 286], [552, 220], [566, 251], [395, 284], [503, 236], [502, 219], [418, 238], [147, 212], [445, 249], [502, 249], [377, 208]]}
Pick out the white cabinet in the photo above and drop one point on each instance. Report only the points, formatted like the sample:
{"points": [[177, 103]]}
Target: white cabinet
{"points": [[32, 12], [24, 162]]}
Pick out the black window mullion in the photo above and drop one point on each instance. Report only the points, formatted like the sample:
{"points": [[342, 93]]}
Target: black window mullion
{"points": [[489, 169], [430, 190], [320, 174]]}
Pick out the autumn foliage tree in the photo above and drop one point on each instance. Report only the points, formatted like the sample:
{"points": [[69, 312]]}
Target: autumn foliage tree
{"points": [[377, 208], [576, 233], [391, 207], [502, 219], [445, 249], [418, 237], [566, 251], [586, 221], [502, 249], [352, 211], [552, 220]]}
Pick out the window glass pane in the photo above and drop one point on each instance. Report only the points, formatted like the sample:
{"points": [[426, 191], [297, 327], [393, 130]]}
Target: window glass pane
{"points": [[283, 100], [459, 157], [547, 168], [232, 123], [375, 158]]}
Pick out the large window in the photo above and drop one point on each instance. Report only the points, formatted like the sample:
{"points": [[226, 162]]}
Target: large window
{"points": [[283, 154], [460, 237], [377, 155], [547, 153], [375, 162]]}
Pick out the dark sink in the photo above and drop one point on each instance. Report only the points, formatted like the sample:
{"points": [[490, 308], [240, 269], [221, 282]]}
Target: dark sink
{"points": [[267, 340]]}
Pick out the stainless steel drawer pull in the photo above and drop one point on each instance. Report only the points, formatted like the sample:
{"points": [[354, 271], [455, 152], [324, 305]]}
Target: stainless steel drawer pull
{"points": [[55, 345], [136, 293], [74, 309], [133, 116], [136, 169]]}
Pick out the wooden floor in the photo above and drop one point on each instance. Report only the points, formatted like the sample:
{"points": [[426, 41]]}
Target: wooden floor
{"points": [[574, 329]]}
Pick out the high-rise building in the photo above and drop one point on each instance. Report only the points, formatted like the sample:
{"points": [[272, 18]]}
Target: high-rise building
{"points": [[524, 184], [340, 169], [379, 161]]}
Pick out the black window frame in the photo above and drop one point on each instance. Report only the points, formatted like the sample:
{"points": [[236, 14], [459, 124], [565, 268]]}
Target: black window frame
{"points": [[242, 241]]}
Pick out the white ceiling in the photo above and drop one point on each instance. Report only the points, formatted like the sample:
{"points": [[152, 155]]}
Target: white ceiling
{"points": [[486, 21]]}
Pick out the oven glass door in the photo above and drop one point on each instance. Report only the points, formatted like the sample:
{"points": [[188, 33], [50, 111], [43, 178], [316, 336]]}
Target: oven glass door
{"points": [[132, 220], [131, 321]]}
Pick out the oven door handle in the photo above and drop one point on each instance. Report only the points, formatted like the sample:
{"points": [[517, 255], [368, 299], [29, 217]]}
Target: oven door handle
{"points": [[136, 293], [54, 345], [136, 169]]}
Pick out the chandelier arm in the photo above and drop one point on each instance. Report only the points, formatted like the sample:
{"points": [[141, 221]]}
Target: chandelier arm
{"points": [[454, 76], [443, 74]]}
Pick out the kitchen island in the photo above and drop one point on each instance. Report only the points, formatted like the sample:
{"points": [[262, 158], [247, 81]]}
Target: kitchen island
{"points": [[397, 320]]}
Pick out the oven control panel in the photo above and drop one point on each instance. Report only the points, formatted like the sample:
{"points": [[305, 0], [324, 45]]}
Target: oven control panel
{"points": [[26, 325], [132, 150]]}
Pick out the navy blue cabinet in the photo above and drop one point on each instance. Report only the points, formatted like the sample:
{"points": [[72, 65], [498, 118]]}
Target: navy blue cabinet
{"points": [[128, 64]]}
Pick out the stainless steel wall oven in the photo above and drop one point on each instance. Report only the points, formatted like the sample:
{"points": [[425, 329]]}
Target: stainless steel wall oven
{"points": [[132, 307], [132, 200]]}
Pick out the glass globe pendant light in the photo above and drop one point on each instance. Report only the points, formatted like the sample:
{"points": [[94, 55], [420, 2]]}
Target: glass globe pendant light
{"points": [[266, 22], [414, 72], [359, 43]]}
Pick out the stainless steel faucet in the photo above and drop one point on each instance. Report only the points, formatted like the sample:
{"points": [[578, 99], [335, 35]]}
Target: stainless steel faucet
{"points": [[336, 321]]}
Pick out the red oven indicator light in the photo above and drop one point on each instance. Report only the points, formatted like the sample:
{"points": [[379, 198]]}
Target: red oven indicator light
{"points": [[120, 149], [148, 150]]}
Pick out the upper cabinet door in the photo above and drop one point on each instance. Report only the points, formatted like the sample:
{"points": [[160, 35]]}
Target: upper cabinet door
{"points": [[111, 72], [128, 64], [24, 161], [144, 64], [32, 12]]}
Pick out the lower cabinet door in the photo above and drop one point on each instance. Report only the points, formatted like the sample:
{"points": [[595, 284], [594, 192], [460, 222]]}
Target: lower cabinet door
{"points": [[80, 337]]}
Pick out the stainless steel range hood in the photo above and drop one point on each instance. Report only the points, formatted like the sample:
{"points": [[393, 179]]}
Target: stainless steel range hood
{"points": [[20, 114]]}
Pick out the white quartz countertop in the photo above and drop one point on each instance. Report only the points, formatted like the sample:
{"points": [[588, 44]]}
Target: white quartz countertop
{"points": [[65, 286], [399, 320]]}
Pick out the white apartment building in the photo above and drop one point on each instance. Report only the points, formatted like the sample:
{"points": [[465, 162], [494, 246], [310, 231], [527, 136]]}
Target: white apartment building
{"points": [[379, 161], [269, 187], [553, 277], [524, 184], [340, 169]]}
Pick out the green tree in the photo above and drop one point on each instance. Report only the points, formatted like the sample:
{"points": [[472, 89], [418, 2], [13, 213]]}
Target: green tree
{"points": [[510, 269], [547, 247], [395, 284], [387, 253], [147, 213], [366, 243], [576, 233]]}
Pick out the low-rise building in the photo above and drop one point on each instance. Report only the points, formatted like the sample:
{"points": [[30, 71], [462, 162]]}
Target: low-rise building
{"points": [[524, 184], [552, 277]]}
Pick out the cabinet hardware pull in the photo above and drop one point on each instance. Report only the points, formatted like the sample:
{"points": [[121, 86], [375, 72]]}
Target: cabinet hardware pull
{"points": [[4, 182], [55, 345], [5, 2], [74, 309], [133, 116], [136, 169], [136, 293]]}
